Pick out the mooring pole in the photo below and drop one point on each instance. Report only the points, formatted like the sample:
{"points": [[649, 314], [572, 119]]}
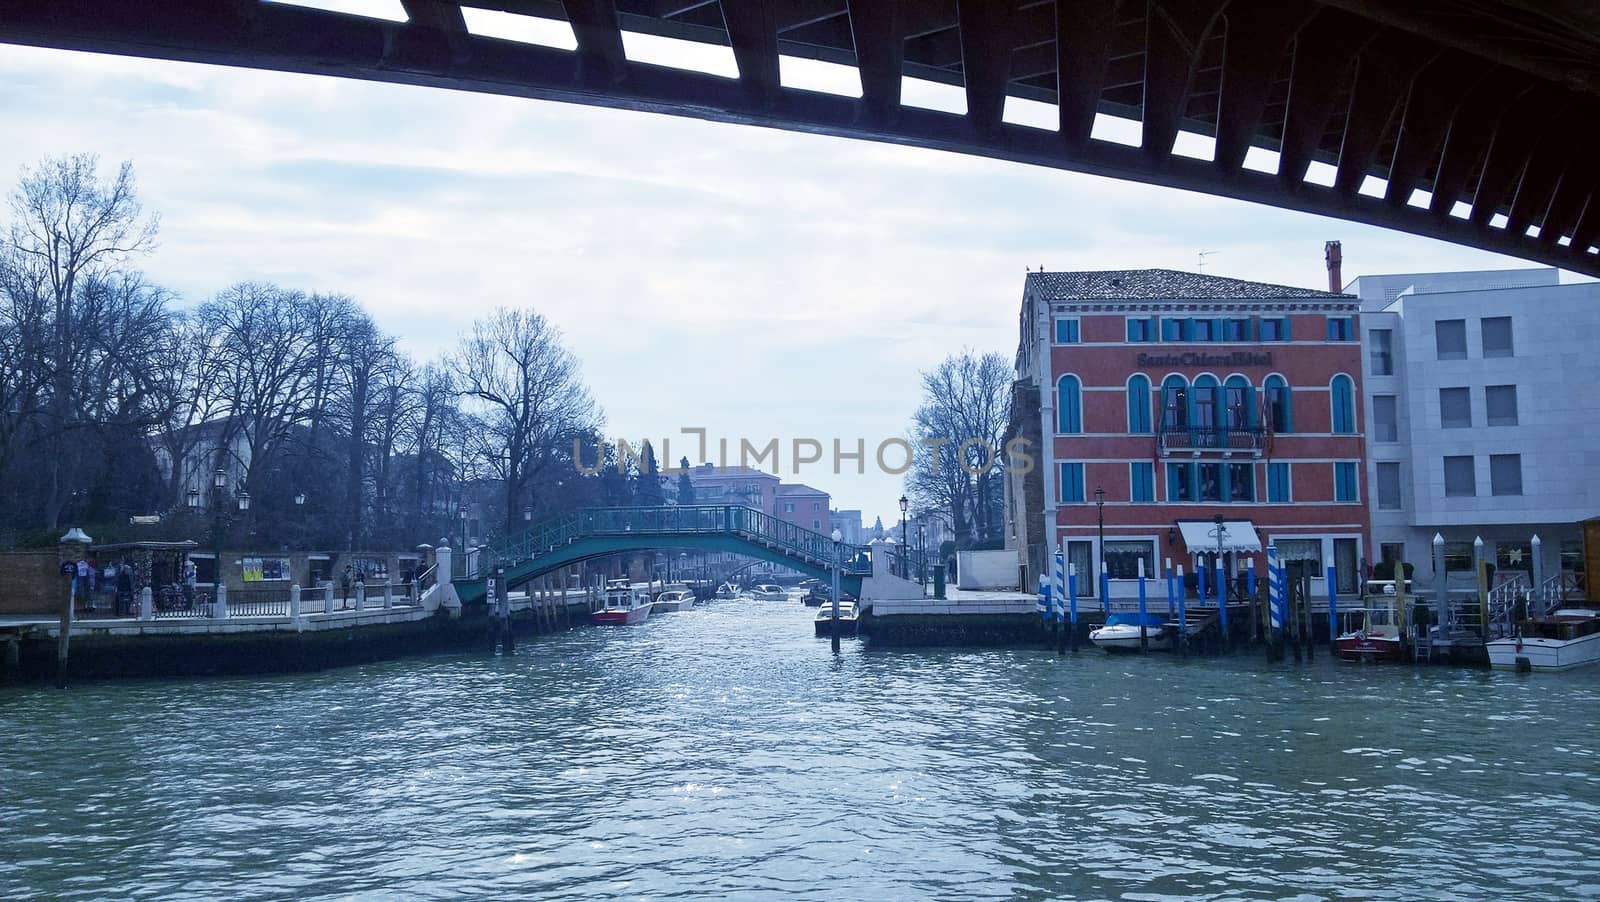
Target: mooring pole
{"points": [[1183, 617], [1058, 603], [1072, 604], [837, 536], [1144, 633], [1333, 605]]}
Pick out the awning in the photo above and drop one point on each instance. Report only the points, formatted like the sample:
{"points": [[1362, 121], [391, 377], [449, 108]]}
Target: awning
{"points": [[1237, 535]]}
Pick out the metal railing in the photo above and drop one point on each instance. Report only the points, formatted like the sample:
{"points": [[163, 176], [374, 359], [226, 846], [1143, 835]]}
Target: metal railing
{"points": [[745, 523], [1181, 438]]}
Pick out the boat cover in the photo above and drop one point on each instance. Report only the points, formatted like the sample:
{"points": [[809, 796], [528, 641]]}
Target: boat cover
{"points": [[1132, 619]]}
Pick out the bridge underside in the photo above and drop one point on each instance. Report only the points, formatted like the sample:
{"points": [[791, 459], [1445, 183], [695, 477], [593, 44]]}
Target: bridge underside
{"points": [[585, 549], [1478, 118]]}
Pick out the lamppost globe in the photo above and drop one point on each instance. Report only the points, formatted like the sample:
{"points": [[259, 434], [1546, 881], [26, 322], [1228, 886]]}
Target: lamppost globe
{"points": [[300, 499], [838, 536], [219, 479]]}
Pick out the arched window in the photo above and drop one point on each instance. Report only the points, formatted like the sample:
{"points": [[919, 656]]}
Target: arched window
{"points": [[1280, 405], [1138, 404], [1238, 403], [1206, 413], [1069, 404], [1343, 396], [1174, 403]]}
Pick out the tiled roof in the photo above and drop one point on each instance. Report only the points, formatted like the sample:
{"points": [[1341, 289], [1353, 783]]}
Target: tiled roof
{"points": [[1160, 284], [798, 488]]}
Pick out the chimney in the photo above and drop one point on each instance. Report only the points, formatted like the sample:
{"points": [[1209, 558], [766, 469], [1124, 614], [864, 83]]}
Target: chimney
{"points": [[1334, 258]]}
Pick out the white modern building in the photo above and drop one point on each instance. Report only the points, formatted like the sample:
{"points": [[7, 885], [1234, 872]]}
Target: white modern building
{"points": [[1483, 418]]}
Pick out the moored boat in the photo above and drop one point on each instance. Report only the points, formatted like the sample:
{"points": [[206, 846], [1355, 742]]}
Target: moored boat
{"points": [[622, 607], [1561, 640], [1378, 639], [767, 592], [674, 600], [846, 624], [1123, 631], [727, 590]]}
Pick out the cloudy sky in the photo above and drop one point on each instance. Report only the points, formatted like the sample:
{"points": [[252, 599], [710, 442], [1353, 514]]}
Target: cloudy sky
{"points": [[755, 283]]}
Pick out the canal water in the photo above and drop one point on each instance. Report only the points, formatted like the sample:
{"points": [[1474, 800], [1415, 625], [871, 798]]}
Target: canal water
{"points": [[725, 753]]}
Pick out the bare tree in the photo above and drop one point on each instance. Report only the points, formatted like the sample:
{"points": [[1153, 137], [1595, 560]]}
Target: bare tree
{"points": [[69, 228], [526, 387], [963, 415]]}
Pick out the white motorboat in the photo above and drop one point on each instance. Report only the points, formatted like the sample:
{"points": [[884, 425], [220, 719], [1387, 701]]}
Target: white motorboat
{"points": [[675, 600], [767, 592], [1122, 632], [727, 590], [1560, 640], [848, 618]]}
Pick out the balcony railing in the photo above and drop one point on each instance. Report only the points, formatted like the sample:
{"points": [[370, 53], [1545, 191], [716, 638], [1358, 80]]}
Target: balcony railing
{"points": [[1200, 439]]}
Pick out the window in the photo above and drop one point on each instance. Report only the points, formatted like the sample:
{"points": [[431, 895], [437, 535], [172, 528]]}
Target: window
{"points": [[1067, 331], [1180, 482], [1204, 415], [1455, 408], [816, 524], [1202, 330], [1450, 335], [1458, 557], [1142, 329], [1382, 351], [1123, 557], [1142, 481], [1236, 330], [1496, 336], [1460, 480], [1069, 405], [1072, 482], [1210, 482], [1171, 329], [1392, 552], [1345, 485], [1505, 474], [1307, 551], [1513, 556], [1138, 405], [1384, 427], [1280, 405], [1238, 403], [1278, 482], [1389, 486], [1275, 328], [1341, 328], [788, 507], [1080, 557], [1241, 482], [1343, 395], [1501, 401], [1174, 403]]}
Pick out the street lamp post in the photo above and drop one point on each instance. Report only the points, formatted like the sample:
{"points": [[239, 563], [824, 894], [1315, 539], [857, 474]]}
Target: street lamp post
{"points": [[922, 552], [1222, 589], [1100, 520], [905, 547]]}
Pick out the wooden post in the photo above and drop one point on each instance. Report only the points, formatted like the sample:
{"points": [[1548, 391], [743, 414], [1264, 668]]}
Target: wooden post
{"points": [[65, 636]]}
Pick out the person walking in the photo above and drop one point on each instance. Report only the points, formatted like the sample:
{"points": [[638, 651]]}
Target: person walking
{"points": [[344, 583]]}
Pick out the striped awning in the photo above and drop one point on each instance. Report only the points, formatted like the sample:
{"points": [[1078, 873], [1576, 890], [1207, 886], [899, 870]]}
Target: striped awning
{"points": [[1237, 535]]}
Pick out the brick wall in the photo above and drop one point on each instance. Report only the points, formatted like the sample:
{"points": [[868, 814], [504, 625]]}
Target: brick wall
{"points": [[30, 584]]}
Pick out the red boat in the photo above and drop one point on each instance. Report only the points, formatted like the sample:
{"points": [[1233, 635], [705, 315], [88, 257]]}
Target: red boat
{"points": [[1378, 639], [623, 607]]}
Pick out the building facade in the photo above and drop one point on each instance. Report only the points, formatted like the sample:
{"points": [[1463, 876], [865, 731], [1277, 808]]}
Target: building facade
{"points": [[1483, 424], [745, 486], [1169, 399], [804, 506], [848, 523]]}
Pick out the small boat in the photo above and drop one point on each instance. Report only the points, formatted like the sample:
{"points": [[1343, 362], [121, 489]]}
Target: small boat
{"points": [[1122, 632], [1560, 640], [623, 606], [768, 592], [727, 590], [846, 623], [675, 600], [1378, 639]]}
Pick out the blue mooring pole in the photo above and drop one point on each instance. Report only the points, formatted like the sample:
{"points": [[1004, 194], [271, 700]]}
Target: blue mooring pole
{"points": [[1171, 600], [1183, 618], [1144, 637], [1072, 601], [1333, 603], [1250, 579], [1105, 590], [1058, 592], [1222, 601]]}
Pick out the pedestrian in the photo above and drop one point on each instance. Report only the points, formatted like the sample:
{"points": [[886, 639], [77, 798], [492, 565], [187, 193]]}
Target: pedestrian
{"points": [[124, 588], [344, 582], [191, 575]]}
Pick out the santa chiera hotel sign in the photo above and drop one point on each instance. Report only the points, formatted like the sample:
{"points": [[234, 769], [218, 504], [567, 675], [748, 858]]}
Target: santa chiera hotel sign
{"points": [[1196, 358]]}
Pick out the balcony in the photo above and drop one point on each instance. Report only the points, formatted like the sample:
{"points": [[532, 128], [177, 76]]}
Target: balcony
{"points": [[1200, 441]]}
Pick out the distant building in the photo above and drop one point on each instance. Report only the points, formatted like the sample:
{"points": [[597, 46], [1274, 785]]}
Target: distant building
{"points": [[804, 506], [848, 523], [1484, 422], [744, 486]]}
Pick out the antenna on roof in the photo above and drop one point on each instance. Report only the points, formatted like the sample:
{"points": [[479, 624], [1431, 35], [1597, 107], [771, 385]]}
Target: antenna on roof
{"points": [[1203, 255]]}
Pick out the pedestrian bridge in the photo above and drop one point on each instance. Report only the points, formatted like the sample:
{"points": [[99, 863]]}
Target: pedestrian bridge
{"points": [[582, 535]]}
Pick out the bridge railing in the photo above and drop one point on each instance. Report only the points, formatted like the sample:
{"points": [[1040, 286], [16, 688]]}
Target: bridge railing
{"points": [[748, 523]]}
